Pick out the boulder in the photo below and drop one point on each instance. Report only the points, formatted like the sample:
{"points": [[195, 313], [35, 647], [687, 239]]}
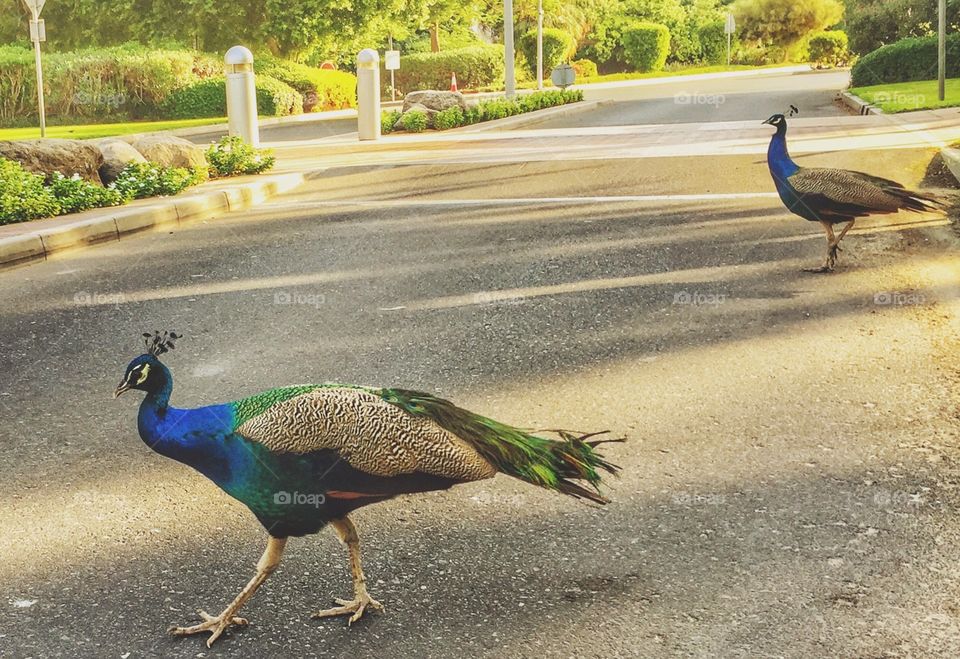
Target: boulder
{"points": [[117, 154], [46, 156], [434, 100], [168, 150], [416, 107]]}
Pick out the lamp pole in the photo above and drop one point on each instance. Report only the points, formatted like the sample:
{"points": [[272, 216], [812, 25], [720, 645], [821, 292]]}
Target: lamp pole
{"points": [[509, 74], [38, 34], [942, 51], [539, 44]]}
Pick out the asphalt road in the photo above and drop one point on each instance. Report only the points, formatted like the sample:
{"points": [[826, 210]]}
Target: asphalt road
{"points": [[789, 486]]}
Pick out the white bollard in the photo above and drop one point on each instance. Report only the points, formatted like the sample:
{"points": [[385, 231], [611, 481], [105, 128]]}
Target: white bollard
{"points": [[241, 95], [368, 94]]}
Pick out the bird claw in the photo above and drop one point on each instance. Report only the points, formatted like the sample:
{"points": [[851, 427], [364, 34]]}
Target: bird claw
{"points": [[355, 608], [215, 624]]}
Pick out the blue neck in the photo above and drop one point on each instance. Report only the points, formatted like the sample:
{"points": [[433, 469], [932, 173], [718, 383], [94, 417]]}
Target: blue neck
{"points": [[778, 158]]}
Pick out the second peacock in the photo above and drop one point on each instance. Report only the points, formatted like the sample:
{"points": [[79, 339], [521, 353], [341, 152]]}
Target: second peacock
{"points": [[305, 456]]}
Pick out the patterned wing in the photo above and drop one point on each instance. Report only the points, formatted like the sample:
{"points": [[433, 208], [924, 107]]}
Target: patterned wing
{"points": [[368, 432], [845, 192]]}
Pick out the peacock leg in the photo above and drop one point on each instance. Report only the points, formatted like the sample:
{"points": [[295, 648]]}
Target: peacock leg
{"points": [[831, 251], [835, 246], [218, 624], [361, 599]]}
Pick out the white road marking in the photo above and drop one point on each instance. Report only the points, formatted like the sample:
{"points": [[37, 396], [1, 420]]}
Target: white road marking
{"points": [[515, 201]]}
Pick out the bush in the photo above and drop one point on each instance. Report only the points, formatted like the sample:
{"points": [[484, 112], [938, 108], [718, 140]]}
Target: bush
{"points": [[75, 194], [208, 98], [828, 48], [584, 68], [148, 179], [414, 121], [449, 118], [231, 156], [388, 119], [558, 47], [126, 81], [23, 196], [785, 24], [905, 61], [320, 89], [475, 66], [646, 46], [713, 43]]}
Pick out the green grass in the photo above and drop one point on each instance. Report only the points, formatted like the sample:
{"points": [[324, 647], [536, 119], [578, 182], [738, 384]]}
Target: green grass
{"points": [[908, 96], [92, 131]]}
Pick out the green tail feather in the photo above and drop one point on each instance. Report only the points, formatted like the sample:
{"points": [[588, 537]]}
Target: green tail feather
{"points": [[552, 464]]}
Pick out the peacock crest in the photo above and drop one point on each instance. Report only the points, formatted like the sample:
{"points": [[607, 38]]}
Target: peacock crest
{"points": [[158, 343]]}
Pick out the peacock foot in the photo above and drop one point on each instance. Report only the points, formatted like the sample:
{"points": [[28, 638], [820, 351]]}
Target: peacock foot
{"points": [[354, 608], [826, 267], [215, 624]]}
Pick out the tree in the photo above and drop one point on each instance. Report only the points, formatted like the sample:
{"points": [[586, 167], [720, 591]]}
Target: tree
{"points": [[784, 24], [874, 23]]}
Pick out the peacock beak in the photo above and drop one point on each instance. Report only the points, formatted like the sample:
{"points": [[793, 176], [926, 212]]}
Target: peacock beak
{"points": [[122, 387], [765, 121]]}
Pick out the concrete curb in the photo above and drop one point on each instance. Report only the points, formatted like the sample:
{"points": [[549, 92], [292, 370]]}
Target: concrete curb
{"points": [[951, 158], [529, 118], [115, 223], [859, 105]]}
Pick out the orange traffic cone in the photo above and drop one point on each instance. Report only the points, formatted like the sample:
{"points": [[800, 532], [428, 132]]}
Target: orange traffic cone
{"points": [[453, 82]]}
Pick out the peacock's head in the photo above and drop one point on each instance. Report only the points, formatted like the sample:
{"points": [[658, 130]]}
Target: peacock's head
{"points": [[146, 372], [779, 120], [776, 120]]}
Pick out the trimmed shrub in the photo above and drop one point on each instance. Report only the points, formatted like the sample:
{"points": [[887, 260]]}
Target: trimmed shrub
{"points": [[584, 68], [646, 46], [388, 119], [713, 43], [148, 179], [321, 89], [905, 61], [75, 194], [449, 118], [475, 66], [828, 48], [23, 196], [558, 47], [231, 156], [414, 121], [208, 98]]}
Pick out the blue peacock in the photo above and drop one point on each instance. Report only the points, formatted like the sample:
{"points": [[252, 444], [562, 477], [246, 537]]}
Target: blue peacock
{"points": [[835, 196], [306, 456]]}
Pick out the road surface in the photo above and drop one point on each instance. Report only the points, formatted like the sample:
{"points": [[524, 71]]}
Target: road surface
{"points": [[789, 485]]}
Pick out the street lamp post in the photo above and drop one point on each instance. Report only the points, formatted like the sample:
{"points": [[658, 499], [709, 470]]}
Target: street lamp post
{"points": [[509, 74], [942, 50], [38, 33], [539, 44]]}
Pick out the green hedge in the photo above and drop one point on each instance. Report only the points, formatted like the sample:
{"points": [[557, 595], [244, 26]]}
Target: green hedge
{"points": [[828, 48], [713, 42], [475, 66], [905, 61], [558, 47], [126, 81], [321, 89], [584, 68], [646, 46], [208, 98]]}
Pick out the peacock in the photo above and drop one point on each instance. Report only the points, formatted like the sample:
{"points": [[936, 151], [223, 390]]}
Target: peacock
{"points": [[302, 457], [835, 196]]}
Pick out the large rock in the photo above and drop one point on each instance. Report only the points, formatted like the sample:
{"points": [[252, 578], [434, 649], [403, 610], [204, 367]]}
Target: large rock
{"points": [[434, 100], [168, 150], [46, 156], [117, 154]]}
